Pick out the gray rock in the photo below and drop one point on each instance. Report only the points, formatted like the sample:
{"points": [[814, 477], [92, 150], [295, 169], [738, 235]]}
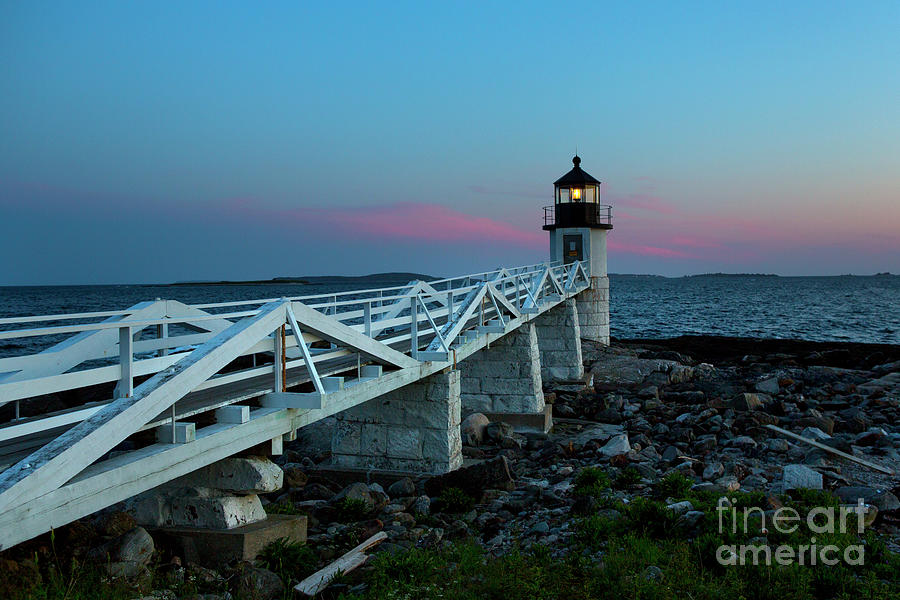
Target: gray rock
{"points": [[421, 505], [800, 477], [814, 433], [473, 429], [713, 471], [260, 584], [356, 491], [241, 475], [617, 445], [653, 573], [402, 488], [768, 386], [745, 401], [135, 546], [680, 508]]}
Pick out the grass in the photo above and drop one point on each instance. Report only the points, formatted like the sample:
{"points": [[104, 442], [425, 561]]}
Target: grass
{"points": [[453, 500], [591, 481], [290, 560], [351, 509]]}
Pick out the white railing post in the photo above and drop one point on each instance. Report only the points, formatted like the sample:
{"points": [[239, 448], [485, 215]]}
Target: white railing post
{"points": [[279, 359], [449, 305], [413, 326], [162, 332], [367, 317], [126, 362]]}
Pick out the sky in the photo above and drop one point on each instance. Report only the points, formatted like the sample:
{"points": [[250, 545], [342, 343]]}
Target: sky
{"points": [[145, 142]]}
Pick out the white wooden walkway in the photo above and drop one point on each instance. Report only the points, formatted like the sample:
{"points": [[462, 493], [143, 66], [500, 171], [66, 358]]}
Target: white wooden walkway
{"points": [[217, 379]]}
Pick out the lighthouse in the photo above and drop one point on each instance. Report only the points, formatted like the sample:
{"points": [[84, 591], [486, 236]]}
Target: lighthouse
{"points": [[578, 224]]}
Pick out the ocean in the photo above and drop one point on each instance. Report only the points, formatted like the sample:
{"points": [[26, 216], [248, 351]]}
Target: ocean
{"points": [[845, 308]]}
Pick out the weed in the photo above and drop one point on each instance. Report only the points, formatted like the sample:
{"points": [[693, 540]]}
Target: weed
{"points": [[627, 477], [288, 559], [591, 481], [454, 500], [351, 509], [673, 485]]}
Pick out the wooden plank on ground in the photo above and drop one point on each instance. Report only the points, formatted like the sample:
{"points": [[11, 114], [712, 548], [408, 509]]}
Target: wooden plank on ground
{"points": [[835, 451], [319, 580]]}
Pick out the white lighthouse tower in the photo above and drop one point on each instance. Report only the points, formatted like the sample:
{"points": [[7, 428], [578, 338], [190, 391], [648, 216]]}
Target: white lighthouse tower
{"points": [[578, 225]]}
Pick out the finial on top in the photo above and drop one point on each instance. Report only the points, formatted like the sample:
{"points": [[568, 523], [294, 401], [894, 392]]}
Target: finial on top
{"points": [[576, 160]]}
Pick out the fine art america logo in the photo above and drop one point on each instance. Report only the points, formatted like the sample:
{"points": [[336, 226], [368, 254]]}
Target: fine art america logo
{"points": [[820, 520]]}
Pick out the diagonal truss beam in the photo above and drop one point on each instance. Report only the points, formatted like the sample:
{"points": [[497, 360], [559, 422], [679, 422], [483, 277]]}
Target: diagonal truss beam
{"points": [[310, 365], [454, 326], [334, 331], [535, 290], [56, 463]]}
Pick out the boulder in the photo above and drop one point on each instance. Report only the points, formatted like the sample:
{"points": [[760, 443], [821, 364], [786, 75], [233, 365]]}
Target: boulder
{"points": [[294, 475], [402, 488], [196, 507], [745, 401], [768, 386], [473, 429], [241, 475], [616, 446], [134, 547], [356, 491], [259, 584], [800, 477]]}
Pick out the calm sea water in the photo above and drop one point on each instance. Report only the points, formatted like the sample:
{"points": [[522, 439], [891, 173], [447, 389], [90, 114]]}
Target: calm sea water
{"points": [[861, 309]]}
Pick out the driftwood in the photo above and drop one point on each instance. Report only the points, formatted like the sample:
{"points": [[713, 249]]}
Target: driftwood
{"points": [[835, 451], [319, 580]]}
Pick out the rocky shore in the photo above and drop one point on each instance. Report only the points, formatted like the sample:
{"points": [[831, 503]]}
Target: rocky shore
{"points": [[633, 472]]}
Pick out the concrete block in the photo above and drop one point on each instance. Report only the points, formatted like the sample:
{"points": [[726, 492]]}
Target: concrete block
{"points": [[196, 507], [214, 547], [242, 475], [373, 439], [346, 437]]}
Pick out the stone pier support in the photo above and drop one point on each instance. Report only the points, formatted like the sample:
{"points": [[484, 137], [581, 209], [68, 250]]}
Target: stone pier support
{"points": [[414, 428], [215, 515], [505, 377], [593, 310], [559, 340]]}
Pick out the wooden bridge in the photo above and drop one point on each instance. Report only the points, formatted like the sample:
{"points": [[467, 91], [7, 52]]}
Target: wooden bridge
{"points": [[218, 379]]}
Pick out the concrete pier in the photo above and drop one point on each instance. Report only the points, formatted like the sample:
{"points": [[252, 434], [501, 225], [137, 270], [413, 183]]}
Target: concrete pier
{"points": [[506, 377], [414, 428], [559, 340], [593, 310]]}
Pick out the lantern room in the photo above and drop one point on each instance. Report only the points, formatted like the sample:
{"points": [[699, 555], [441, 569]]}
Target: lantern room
{"points": [[577, 201]]}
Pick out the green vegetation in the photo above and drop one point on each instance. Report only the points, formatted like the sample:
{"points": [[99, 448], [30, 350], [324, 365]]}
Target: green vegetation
{"points": [[591, 481], [351, 509], [627, 477], [283, 508], [613, 550], [673, 485], [454, 500], [289, 560]]}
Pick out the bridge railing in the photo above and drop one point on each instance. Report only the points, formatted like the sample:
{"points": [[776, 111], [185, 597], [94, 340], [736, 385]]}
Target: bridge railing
{"points": [[115, 349], [288, 354]]}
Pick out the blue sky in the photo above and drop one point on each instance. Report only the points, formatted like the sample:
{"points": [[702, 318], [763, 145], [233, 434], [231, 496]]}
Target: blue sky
{"points": [[146, 142]]}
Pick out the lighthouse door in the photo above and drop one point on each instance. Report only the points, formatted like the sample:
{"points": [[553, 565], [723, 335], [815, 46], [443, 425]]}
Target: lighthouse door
{"points": [[572, 249]]}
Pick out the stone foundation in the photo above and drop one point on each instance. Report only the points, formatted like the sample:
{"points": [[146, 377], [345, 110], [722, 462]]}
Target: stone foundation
{"points": [[414, 428], [222, 495], [593, 311], [559, 341], [506, 377]]}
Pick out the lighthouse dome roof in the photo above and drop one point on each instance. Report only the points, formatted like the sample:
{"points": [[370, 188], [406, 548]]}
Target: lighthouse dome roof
{"points": [[576, 176]]}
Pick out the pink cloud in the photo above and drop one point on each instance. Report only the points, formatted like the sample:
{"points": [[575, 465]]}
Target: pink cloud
{"points": [[398, 221], [646, 250], [644, 202]]}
